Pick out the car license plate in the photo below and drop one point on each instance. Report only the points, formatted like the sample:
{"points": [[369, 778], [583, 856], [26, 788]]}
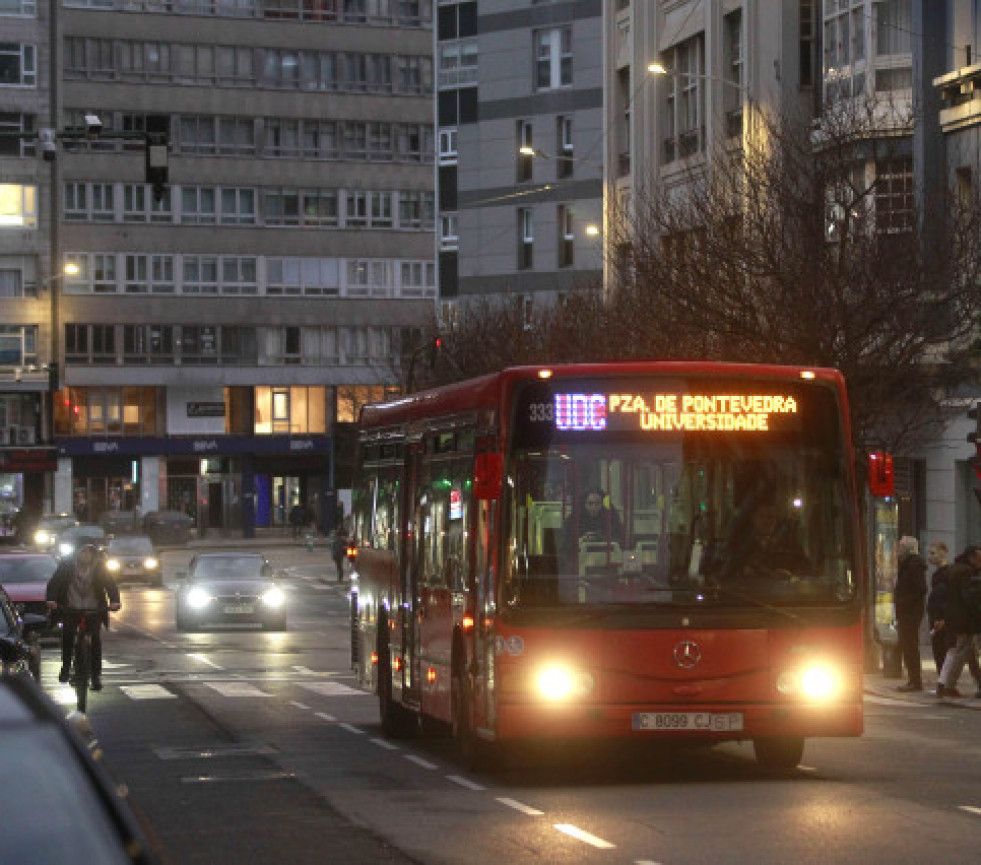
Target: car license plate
{"points": [[239, 609], [715, 722]]}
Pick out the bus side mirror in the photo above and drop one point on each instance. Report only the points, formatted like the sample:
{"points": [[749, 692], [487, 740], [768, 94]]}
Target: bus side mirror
{"points": [[488, 470]]}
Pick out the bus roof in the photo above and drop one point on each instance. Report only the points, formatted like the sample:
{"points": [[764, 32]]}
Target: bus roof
{"points": [[486, 391]]}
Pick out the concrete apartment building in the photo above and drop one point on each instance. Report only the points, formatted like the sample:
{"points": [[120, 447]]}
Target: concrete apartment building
{"points": [[511, 75], [207, 340]]}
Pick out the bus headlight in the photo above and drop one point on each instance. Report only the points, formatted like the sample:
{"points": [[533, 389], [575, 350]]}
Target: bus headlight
{"points": [[557, 683], [819, 682], [150, 563], [112, 565], [274, 597], [198, 598], [42, 538], [65, 548]]}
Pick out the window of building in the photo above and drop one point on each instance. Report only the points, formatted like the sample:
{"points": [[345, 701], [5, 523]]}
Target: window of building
{"points": [[290, 410], [414, 142], [198, 344], [684, 108], [807, 31], [17, 65], [127, 411], [238, 275], [18, 205], [524, 161], [18, 344], [200, 274], [566, 239], [894, 203], [448, 237], [526, 238], [447, 146], [237, 206], [196, 134], [418, 279], [11, 281], [553, 57], [733, 65], [565, 161], [11, 125], [148, 344], [198, 205], [303, 276], [18, 7], [319, 207], [893, 27], [236, 136]]}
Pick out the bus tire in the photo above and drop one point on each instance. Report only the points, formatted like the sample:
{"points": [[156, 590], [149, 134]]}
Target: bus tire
{"points": [[397, 722], [779, 752]]}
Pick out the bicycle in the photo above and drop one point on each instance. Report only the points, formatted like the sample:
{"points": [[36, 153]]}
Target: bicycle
{"points": [[81, 673]]}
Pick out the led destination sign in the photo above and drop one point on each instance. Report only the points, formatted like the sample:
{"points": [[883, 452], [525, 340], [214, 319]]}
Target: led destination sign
{"points": [[667, 412]]}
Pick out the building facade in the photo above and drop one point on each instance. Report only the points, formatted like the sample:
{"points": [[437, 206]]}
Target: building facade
{"points": [[520, 149], [210, 332]]}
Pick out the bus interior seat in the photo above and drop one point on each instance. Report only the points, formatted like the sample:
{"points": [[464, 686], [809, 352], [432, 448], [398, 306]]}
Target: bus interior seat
{"points": [[597, 557]]}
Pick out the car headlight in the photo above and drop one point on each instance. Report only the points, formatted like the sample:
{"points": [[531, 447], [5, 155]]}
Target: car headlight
{"points": [[112, 564], [558, 683], [819, 682], [65, 548], [150, 563], [274, 597], [197, 598], [42, 538]]}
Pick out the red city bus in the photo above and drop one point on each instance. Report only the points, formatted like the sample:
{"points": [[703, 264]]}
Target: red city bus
{"points": [[656, 550]]}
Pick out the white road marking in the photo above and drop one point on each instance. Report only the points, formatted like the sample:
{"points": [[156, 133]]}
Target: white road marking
{"points": [[332, 689], [647, 862], [236, 689], [147, 692], [352, 729], [214, 751], [580, 835], [324, 716], [465, 782], [420, 762], [382, 743], [971, 809], [520, 806], [245, 776], [888, 701], [109, 665], [194, 656], [299, 705]]}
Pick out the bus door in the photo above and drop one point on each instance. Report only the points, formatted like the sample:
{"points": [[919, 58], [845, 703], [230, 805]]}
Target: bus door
{"points": [[414, 569]]}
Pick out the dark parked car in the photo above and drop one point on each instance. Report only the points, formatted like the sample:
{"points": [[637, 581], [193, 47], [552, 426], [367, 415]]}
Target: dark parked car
{"points": [[131, 557], [19, 649], [167, 527], [122, 523], [25, 577], [229, 587], [58, 803], [78, 536]]}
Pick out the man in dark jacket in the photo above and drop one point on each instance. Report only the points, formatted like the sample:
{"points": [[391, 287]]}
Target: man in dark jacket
{"points": [[962, 620], [82, 582], [909, 596]]}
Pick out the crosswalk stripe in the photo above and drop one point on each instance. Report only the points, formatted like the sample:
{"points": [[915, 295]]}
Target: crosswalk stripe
{"points": [[332, 689], [236, 689], [147, 692]]}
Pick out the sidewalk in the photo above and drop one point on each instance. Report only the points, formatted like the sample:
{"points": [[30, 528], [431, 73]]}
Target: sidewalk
{"points": [[885, 686]]}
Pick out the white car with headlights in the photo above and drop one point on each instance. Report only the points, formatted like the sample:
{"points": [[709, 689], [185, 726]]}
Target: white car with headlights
{"points": [[229, 588], [44, 535], [131, 557]]}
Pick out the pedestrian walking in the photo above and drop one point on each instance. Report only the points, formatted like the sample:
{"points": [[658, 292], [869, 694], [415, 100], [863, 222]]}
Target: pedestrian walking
{"points": [[298, 519], [909, 598], [962, 619], [338, 550], [941, 638]]}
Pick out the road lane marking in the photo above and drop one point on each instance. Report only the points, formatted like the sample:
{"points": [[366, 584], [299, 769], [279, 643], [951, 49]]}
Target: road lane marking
{"points": [[214, 751], [332, 689], [352, 729], [465, 782], [194, 656], [147, 692], [299, 705], [520, 806], [244, 776], [325, 717], [581, 835], [382, 743], [420, 762], [970, 809], [236, 689]]}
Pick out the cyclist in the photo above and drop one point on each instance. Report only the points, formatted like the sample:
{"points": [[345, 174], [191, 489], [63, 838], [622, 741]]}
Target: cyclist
{"points": [[82, 583]]}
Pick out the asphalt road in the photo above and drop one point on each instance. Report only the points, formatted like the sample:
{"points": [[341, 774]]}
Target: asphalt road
{"points": [[239, 745]]}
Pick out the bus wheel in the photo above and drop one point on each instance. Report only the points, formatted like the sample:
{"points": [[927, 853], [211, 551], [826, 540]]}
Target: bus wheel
{"points": [[779, 752]]}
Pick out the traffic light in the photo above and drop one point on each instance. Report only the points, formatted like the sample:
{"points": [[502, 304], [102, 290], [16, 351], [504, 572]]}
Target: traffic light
{"points": [[434, 349]]}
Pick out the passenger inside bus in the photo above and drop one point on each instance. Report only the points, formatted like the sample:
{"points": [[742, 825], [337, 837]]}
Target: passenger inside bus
{"points": [[768, 547]]}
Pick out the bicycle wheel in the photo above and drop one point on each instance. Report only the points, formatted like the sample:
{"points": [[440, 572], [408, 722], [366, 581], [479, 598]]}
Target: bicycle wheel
{"points": [[83, 669]]}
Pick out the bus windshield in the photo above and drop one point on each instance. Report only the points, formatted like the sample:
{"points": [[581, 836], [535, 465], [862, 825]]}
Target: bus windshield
{"points": [[738, 501]]}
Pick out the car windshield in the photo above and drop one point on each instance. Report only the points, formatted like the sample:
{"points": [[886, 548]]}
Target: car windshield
{"points": [[229, 568], [83, 532], [136, 546], [55, 523], [641, 517], [26, 569]]}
